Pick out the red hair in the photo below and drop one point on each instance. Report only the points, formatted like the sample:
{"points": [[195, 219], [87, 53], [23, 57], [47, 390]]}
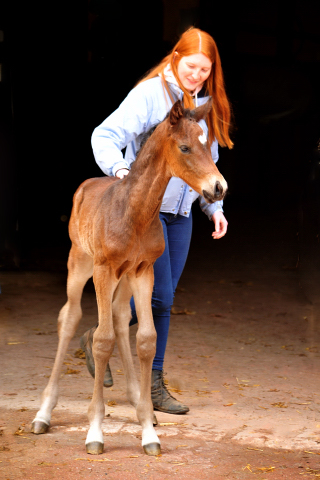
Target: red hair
{"points": [[191, 42]]}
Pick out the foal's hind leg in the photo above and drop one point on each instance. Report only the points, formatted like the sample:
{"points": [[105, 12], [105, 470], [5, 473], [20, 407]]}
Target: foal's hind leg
{"points": [[121, 317], [121, 312], [80, 267]]}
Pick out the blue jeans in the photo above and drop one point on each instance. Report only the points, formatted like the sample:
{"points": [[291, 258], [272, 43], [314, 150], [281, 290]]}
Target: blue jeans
{"points": [[167, 272]]}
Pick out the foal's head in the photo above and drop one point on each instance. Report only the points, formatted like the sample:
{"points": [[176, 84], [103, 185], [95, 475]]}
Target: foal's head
{"points": [[188, 152]]}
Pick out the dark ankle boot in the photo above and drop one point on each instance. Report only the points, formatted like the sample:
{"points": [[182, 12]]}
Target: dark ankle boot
{"points": [[162, 400], [86, 342]]}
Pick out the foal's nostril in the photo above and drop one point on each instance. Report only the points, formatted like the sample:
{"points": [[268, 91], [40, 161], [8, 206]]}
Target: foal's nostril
{"points": [[215, 193], [218, 190]]}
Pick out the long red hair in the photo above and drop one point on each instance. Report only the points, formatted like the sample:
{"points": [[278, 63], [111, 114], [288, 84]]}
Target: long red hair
{"points": [[191, 42]]}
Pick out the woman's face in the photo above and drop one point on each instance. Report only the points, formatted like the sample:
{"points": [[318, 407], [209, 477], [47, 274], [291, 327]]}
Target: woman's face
{"points": [[193, 70]]}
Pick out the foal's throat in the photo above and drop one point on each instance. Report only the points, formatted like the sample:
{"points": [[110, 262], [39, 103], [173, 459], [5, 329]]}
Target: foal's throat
{"points": [[147, 182]]}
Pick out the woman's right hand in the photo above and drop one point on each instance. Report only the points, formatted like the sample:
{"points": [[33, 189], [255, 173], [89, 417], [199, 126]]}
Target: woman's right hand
{"points": [[122, 172]]}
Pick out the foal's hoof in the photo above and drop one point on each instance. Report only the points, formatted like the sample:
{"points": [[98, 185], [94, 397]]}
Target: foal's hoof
{"points": [[152, 449], [94, 448], [38, 427], [155, 421]]}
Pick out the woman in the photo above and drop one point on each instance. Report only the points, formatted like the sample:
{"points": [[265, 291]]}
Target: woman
{"points": [[191, 72]]}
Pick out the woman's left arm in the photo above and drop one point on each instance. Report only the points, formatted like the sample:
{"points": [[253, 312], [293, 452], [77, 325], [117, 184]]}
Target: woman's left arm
{"points": [[219, 220]]}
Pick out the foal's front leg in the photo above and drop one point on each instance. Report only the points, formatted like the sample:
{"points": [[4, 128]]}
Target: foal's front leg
{"points": [[103, 344], [142, 287]]}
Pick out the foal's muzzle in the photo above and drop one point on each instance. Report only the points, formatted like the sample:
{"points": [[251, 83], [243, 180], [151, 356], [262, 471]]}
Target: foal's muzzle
{"points": [[217, 193]]}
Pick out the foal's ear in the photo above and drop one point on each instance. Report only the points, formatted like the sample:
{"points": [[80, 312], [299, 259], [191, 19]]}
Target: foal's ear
{"points": [[176, 112], [202, 111]]}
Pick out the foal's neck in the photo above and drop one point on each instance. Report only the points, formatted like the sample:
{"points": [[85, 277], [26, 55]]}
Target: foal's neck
{"points": [[147, 182]]}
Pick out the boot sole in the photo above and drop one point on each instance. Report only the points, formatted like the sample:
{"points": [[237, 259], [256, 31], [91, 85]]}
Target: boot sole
{"points": [[181, 412]]}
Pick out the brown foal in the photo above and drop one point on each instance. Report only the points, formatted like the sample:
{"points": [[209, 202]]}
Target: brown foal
{"points": [[117, 236]]}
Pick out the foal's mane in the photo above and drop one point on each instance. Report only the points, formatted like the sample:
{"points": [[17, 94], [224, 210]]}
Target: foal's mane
{"points": [[146, 135]]}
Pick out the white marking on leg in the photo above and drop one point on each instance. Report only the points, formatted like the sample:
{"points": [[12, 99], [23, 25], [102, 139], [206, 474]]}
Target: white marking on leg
{"points": [[41, 419], [149, 436], [94, 434], [47, 405]]}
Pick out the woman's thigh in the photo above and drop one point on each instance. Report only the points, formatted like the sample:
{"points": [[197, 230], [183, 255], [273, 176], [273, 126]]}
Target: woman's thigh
{"points": [[179, 237], [168, 268]]}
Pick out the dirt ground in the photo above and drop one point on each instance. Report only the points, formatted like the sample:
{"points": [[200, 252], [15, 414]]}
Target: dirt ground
{"points": [[243, 354]]}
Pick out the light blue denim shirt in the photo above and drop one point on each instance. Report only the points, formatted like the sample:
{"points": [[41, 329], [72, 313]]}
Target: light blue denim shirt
{"points": [[144, 107]]}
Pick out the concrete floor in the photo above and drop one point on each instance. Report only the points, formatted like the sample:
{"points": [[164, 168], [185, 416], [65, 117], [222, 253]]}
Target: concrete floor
{"points": [[243, 354]]}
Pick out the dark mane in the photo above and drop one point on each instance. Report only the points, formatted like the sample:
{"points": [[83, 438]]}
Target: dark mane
{"points": [[145, 136]]}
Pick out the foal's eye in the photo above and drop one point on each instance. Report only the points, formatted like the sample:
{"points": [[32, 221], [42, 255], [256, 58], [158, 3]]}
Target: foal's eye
{"points": [[185, 149]]}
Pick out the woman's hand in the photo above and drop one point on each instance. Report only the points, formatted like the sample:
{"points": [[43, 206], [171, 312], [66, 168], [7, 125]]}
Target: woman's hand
{"points": [[122, 172], [220, 223]]}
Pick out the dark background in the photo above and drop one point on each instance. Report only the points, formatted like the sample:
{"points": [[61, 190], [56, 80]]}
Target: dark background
{"points": [[64, 69]]}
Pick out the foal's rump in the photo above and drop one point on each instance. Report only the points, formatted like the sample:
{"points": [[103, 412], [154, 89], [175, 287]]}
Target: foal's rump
{"points": [[88, 195]]}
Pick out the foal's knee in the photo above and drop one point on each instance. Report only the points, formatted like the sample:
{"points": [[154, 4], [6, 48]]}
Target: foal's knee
{"points": [[103, 344], [146, 344]]}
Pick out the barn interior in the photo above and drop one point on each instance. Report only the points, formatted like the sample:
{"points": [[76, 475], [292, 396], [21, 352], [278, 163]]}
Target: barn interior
{"points": [[64, 70]]}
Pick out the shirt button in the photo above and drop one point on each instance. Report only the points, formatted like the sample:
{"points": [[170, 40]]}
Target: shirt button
{"points": [[185, 213], [190, 190], [173, 209]]}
